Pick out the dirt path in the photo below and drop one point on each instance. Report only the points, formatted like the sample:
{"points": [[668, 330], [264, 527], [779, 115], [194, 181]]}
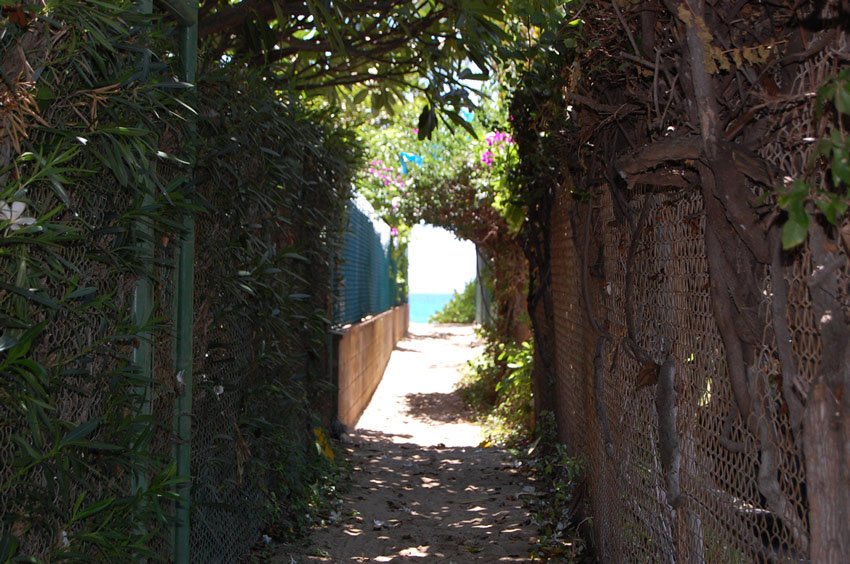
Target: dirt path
{"points": [[422, 489]]}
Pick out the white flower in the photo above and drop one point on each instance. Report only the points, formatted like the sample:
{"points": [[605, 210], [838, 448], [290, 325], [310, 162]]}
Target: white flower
{"points": [[218, 390], [14, 214]]}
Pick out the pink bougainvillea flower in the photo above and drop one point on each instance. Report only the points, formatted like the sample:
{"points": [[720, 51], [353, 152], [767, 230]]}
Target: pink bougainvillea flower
{"points": [[497, 138]]}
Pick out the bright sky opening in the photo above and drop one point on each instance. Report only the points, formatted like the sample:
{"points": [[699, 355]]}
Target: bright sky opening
{"points": [[440, 263]]}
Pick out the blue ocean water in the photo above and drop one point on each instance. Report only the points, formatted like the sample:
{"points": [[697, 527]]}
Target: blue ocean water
{"points": [[423, 306]]}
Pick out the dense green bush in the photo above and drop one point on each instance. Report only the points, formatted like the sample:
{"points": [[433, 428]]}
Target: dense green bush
{"points": [[498, 386], [92, 156], [99, 163], [274, 181], [460, 309]]}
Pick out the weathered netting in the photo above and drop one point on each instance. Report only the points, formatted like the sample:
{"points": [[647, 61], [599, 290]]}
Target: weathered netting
{"points": [[227, 506], [85, 352], [261, 367], [86, 358], [743, 486]]}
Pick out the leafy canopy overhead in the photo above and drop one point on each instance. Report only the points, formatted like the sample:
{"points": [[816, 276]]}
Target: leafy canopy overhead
{"points": [[378, 51]]}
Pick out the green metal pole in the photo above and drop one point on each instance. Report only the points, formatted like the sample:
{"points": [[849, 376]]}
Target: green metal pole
{"points": [[185, 12], [142, 309], [142, 357], [183, 372], [183, 308]]}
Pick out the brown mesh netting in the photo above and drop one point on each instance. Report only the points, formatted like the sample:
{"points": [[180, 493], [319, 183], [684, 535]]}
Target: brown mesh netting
{"points": [[685, 345]]}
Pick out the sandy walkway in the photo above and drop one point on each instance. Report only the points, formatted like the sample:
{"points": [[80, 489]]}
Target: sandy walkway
{"points": [[422, 489]]}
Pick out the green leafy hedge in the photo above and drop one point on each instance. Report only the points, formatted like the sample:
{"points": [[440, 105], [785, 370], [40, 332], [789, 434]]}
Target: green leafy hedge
{"points": [[90, 115], [498, 386], [274, 181], [97, 163], [460, 309]]}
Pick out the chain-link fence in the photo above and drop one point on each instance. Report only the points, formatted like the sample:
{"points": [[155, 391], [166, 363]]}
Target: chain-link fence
{"points": [[366, 275], [697, 446], [739, 493], [81, 476], [147, 409]]}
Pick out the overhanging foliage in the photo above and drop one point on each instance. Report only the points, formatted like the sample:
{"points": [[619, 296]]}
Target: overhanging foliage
{"points": [[95, 155]]}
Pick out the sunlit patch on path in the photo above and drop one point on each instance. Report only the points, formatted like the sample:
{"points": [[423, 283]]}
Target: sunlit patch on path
{"points": [[422, 488]]}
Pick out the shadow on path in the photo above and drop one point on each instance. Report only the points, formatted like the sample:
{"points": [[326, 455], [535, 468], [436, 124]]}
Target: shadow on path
{"points": [[421, 488], [456, 504], [438, 406]]}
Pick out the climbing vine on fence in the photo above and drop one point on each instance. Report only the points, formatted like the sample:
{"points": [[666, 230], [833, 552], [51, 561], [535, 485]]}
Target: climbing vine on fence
{"points": [[273, 180], [89, 116], [639, 111], [96, 158]]}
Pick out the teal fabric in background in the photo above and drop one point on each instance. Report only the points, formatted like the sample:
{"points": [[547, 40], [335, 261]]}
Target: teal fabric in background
{"points": [[366, 273]]}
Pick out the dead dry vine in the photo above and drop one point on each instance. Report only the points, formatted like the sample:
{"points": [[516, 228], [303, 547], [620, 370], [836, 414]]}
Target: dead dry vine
{"points": [[718, 104]]}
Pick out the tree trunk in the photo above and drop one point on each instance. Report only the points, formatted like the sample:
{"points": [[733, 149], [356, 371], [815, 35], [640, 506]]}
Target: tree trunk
{"points": [[826, 446], [826, 422]]}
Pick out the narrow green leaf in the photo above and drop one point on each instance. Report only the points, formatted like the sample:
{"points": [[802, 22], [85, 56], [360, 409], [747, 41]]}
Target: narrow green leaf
{"points": [[467, 74], [33, 454], [106, 447], [842, 97], [8, 546], [360, 96], [125, 131], [78, 503], [33, 411], [296, 256], [93, 509], [81, 431], [81, 293], [455, 117], [32, 295]]}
